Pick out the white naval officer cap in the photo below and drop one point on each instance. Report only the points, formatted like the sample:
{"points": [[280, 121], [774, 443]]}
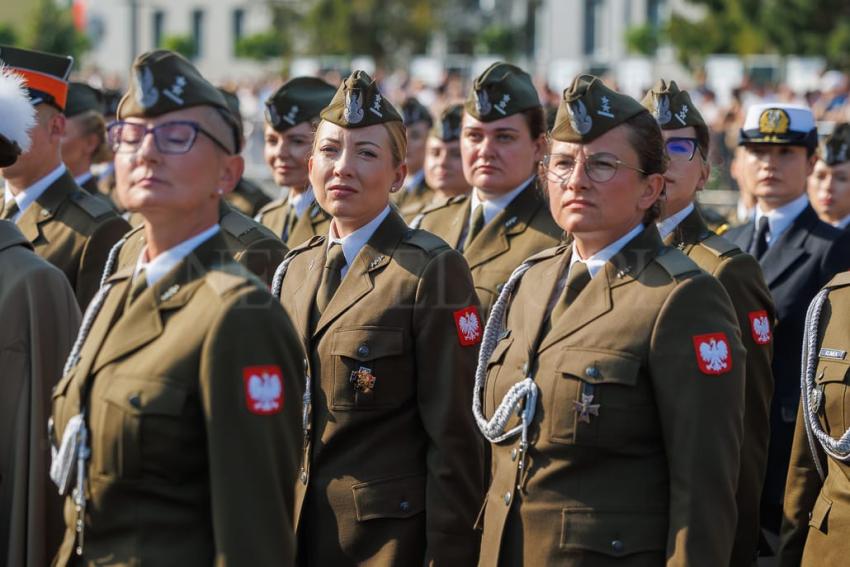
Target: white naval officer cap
{"points": [[779, 123]]}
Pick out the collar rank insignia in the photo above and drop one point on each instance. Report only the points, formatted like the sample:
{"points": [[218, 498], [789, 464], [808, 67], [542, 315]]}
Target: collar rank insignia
{"points": [[375, 262], [363, 380], [510, 222], [169, 293]]}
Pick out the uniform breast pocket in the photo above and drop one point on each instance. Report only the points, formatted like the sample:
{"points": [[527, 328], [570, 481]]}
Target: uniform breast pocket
{"points": [[371, 369], [140, 424], [833, 400], [599, 400]]}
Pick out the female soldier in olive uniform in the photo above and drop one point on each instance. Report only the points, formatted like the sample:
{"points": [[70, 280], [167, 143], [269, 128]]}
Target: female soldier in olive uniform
{"points": [[686, 137], [179, 413], [393, 468], [505, 220], [624, 362], [291, 116], [415, 194]]}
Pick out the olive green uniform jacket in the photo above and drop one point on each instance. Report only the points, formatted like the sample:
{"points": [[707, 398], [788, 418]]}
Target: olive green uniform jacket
{"points": [[412, 202], [648, 478], [247, 198], [816, 519], [73, 231], [741, 277], [40, 318], [192, 462], [522, 229], [313, 222], [392, 476], [250, 243]]}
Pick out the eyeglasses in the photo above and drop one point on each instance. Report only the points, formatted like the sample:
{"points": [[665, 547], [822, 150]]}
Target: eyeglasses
{"points": [[599, 167], [172, 138], [682, 149]]}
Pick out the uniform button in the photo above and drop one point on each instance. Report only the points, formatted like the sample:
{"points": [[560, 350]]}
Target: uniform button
{"points": [[507, 497], [514, 454], [404, 506], [525, 368], [592, 372], [617, 546], [363, 350], [135, 401], [304, 477]]}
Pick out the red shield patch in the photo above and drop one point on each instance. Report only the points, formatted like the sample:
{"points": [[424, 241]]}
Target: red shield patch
{"points": [[469, 327], [263, 389], [760, 327], [713, 353]]}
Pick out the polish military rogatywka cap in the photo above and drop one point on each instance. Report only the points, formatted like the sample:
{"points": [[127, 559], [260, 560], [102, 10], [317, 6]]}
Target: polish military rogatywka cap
{"points": [[163, 81], [45, 74], [359, 103], [501, 90], [298, 100], [17, 116], [82, 98], [589, 108], [413, 111], [835, 149], [779, 123], [448, 125]]}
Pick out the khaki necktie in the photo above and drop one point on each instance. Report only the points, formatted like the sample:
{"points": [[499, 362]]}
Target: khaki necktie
{"points": [[10, 209], [137, 286], [577, 279], [331, 277], [475, 227]]}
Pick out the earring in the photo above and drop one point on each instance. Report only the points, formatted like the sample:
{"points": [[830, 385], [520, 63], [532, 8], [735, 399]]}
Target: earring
{"points": [[220, 192]]}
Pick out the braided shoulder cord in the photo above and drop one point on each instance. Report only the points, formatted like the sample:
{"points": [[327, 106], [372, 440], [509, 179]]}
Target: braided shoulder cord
{"points": [[279, 273], [812, 398], [93, 309], [494, 429]]}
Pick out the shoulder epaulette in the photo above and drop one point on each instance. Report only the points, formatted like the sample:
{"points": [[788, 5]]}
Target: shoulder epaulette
{"points": [[839, 280], [276, 204], [226, 277], [676, 263], [312, 243], [547, 253], [236, 224], [719, 245], [91, 205], [424, 240]]}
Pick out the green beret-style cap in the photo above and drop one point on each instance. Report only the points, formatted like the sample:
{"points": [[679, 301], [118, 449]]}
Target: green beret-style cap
{"points": [[359, 103], [836, 146], [414, 111], [299, 100], [82, 98], [500, 91], [447, 127], [671, 107], [588, 109], [163, 82]]}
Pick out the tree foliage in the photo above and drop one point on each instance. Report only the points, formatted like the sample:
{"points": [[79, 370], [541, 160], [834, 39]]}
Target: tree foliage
{"points": [[51, 28], [262, 46], [182, 44]]}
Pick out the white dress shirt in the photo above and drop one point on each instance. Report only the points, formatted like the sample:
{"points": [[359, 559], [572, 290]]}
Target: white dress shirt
{"points": [[29, 195], [493, 207], [354, 242], [157, 268], [669, 224], [779, 220], [302, 201], [598, 260]]}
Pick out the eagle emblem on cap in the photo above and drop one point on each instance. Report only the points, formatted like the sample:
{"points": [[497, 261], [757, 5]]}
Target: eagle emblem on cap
{"points": [[146, 93], [482, 102], [662, 110], [272, 114], [353, 112], [580, 120], [774, 121], [291, 115]]}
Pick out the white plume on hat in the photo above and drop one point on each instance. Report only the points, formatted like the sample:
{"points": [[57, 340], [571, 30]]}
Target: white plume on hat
{"points": [[17, 114]]}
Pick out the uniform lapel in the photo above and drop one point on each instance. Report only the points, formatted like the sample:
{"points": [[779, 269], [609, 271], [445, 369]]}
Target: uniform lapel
{"points": [[304, 294], [459, 222], [595, 300], [514, 219], [44, 208], [535, 313], [141, 323], [788, 249], [305, 227], [360, 278]]}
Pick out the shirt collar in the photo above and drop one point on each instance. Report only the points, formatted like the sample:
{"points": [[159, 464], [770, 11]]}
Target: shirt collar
{"points": [[29, 195], [493, 207], [80, 179], [354, 242], [302, 201], [843, 223], [780, 219], [669, 224], [414, 180], [595, 262], [165, 262]]}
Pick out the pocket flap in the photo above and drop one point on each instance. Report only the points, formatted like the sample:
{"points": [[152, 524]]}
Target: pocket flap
{"points": [[368, 343], [499, 352], [600, 367], [148, 396], [613, 532], [395, 497], [820, 512], [831, 371]]}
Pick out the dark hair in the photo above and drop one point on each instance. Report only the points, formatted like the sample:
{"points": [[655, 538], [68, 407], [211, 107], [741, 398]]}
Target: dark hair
{"points": [[536, 119], [703, 140], [646, 139]]}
